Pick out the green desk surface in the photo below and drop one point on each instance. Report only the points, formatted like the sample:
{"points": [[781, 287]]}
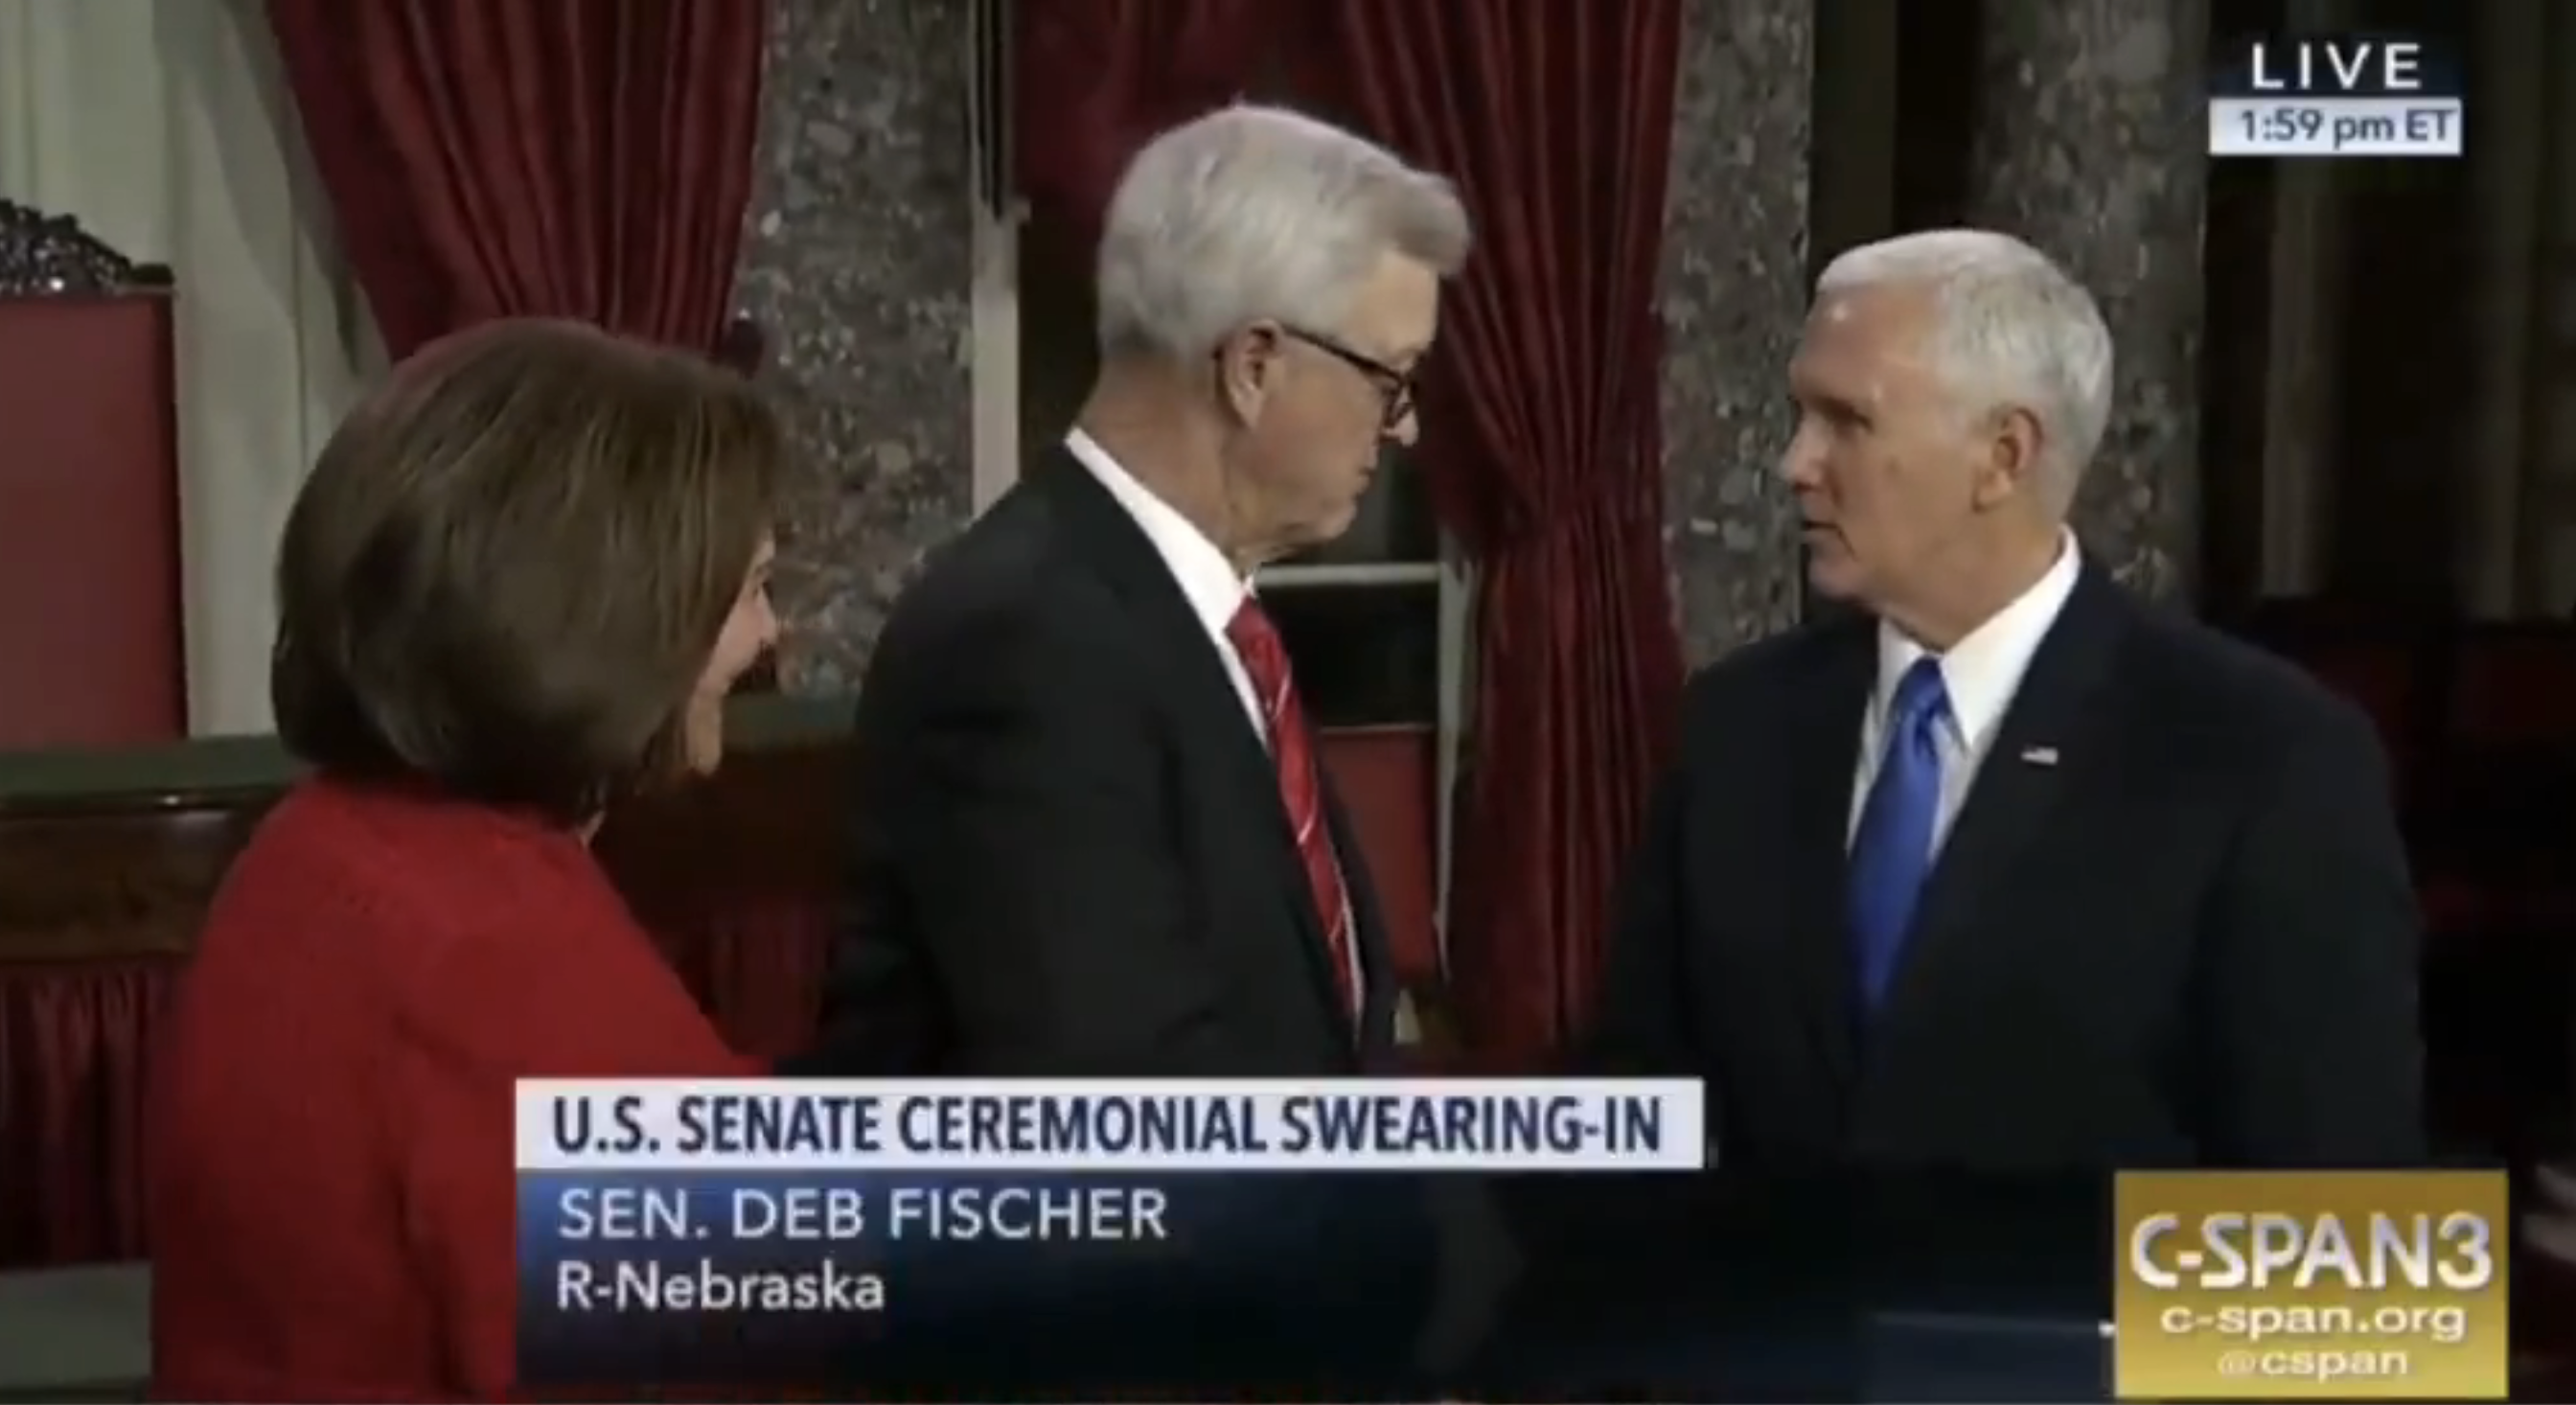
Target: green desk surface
{"points": [[76, 1333], [212, 765]]}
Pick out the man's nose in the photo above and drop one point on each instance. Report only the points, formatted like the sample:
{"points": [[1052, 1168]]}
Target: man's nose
{"points": [[1406, 430], [1800, 466]]}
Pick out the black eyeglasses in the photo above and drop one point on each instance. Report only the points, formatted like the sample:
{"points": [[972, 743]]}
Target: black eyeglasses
{"points": [[1394, 387]]}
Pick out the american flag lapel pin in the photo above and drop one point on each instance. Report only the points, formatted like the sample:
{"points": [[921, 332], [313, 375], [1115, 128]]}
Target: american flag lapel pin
{"points": [[2039, 755]]}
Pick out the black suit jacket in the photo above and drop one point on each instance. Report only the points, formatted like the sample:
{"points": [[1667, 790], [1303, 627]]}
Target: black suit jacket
{"points": [[2187, 938], [1068, 843]]}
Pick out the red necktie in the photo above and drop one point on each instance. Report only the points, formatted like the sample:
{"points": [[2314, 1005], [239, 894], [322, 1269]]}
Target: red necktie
{"points": [[1300, 788]]}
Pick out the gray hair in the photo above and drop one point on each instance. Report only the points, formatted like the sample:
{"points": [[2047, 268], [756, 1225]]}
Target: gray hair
{"points": [[1258, 212], [2013, 330]]}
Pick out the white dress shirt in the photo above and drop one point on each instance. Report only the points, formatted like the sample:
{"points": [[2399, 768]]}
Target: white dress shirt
{"points": [[1208, 580], [1215, 591], [1980, 673]]}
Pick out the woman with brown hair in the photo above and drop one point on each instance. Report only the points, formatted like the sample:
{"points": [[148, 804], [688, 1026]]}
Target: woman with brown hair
{"points": [[515, 590]]}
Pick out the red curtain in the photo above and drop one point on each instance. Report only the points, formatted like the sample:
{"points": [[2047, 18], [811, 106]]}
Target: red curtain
{"points": [[569, 158], [1544, 445], [73, 1048], [1094, 80]]}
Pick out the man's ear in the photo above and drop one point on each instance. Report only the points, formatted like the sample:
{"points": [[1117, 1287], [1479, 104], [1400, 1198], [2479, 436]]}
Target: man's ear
{"points": [[2013, 451], [1247, 364]]}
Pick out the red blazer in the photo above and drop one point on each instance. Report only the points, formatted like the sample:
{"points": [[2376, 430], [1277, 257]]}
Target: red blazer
{"points": [[329, 1152]]}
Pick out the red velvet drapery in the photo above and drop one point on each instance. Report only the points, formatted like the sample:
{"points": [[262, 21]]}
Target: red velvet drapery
{"points": [[73, 1048], [568, 158], [1544, 444], [1093, 80]]}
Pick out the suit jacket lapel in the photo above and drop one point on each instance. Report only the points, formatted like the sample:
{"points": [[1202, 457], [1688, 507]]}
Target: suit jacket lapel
{"points": [[1119, 550], [1824, 754], [1201, 690], [2046, 744]]}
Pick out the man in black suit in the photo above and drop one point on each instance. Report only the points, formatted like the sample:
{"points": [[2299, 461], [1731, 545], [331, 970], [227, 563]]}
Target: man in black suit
{"points": [[1091, 836], [2005, 870]]}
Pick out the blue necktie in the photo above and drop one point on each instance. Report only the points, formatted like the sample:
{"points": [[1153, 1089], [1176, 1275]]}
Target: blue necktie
{"points": [[1891, 852]]}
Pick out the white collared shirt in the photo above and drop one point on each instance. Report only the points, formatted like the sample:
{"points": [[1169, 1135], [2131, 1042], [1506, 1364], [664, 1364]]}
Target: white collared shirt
{"points": [[1215, 591], [1981, 673], [1208, 580]]}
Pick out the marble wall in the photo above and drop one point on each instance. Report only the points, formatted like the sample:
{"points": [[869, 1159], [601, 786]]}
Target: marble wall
{"points": [[2089, 144], [858, 264], [1733, 293]]}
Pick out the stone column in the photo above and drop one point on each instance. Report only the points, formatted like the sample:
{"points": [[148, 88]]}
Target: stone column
{"points": [[1733, 293], [2091, 144], [859, 266]]}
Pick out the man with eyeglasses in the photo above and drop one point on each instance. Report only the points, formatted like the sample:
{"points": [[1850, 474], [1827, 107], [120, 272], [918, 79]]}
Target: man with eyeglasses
{"points": [[1091, 835]]}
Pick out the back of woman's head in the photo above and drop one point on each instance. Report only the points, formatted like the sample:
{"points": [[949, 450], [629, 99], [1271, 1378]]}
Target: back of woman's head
{"points": [[511, 564]]}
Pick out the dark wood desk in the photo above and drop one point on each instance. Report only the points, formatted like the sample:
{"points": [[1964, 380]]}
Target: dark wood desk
{"points": [[107, 861]]}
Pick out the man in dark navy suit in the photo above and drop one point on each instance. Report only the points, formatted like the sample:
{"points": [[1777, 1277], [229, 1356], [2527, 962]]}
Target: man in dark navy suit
{"points": [[2004, 870], [1090, 833]]}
